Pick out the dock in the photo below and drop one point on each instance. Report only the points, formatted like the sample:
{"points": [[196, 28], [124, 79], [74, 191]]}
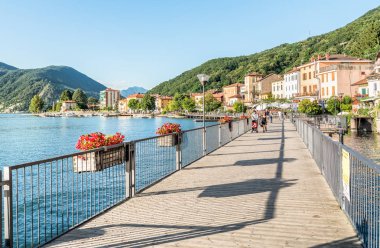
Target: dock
{"points": [[259, 190]]}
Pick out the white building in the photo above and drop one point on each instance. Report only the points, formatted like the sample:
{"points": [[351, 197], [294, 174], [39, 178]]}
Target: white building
{"points": [[68, 105], [278, 89], [374, 80], [292, 83], [109, 98]]}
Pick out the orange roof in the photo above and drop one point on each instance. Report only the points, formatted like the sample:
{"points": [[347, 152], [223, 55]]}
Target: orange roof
{"points": [[360, 82], [234, 85], [218, 95], [138, 95], [123, 100]]}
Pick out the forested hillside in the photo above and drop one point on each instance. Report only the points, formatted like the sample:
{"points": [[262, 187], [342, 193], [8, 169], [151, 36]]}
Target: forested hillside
{"points": [[360, 38], [18, 86]]}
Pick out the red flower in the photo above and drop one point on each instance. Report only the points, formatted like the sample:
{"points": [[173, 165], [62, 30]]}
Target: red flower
{"points": [[96, 140], [168, 128]]}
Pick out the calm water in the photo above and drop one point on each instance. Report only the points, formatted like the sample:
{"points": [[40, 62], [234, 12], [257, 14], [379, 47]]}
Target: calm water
{"points": [[26, 138], [368, 144]]}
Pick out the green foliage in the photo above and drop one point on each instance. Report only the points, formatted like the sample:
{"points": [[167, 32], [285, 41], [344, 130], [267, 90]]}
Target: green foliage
{"points": [[211, 103], [66, 95], [80, 98], [188, 104], [346, 104], [333, 105], [36, 104], [148, 102], [310, 108], [177, 103], [359, 38], [239, 107], [364, 112], [133, 104], [57, 107]]}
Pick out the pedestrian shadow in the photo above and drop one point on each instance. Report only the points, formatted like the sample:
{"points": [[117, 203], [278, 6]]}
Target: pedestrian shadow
{"points": [[351, 242]]}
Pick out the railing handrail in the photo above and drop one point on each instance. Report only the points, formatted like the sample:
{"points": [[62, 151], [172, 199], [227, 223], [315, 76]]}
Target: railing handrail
{"points": [[103, 148]]}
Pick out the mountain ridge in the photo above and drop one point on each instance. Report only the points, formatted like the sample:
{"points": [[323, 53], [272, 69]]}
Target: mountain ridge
{"points": [[359, 38], [18, 86], [132, 90]]}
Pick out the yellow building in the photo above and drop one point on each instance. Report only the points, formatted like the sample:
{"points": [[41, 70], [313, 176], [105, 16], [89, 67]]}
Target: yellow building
{"points": [[230, 91], [250, 91]]}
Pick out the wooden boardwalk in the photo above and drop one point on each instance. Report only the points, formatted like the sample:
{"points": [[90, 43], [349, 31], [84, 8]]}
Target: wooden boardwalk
{"points": [[260, 190]]}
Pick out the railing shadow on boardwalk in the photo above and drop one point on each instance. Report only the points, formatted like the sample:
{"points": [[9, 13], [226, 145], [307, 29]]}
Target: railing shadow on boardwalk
{"points": [[271, 185]]}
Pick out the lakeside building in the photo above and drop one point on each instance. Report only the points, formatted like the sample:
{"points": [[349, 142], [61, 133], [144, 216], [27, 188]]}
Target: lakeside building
{"points": [[198, 97], [232, 91], [374, 79], [264, 86], [292, 83], [278, 89], [308, 80], [362, 88], [68, 105], [337, 73], [123, 103], [109, 98], [250, 91], [162, 102]]}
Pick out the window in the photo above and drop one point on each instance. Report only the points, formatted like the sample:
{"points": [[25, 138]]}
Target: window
{"points": [[309, 74], [327, 91], [363, 72], [333, 90], [304, 89], [304, 76], [323, 91], [333, 76], [314, 74], [281, 86], [375, 86], [364, 91], [323, 78], [309, 88]]}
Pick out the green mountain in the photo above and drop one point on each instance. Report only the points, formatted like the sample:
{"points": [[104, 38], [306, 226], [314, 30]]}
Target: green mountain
{"points": [[18, 86], [360, 38]]}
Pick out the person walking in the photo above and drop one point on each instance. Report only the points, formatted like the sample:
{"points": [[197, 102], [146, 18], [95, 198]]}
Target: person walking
{"points": [[264, 123]]}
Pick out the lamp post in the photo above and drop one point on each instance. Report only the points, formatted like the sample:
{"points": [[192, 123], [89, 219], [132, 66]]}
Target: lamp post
{"points": [[203, 78]]}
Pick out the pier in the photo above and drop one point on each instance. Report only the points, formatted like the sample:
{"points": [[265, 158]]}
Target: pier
{"points": [[259, 190]]}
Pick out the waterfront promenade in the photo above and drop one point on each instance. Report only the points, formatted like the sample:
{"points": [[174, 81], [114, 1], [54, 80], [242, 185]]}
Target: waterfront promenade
{"points": [[260, 190]]}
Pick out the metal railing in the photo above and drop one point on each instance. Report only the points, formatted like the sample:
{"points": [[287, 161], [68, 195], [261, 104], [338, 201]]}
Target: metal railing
{"points": [[47, 198], [353, 179]]}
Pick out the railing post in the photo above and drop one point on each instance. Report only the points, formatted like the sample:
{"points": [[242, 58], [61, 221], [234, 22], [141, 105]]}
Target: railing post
{"points": [[220, 134], [179, 152], [127, 171], [8, 222], [131, 166], [204, 142]]}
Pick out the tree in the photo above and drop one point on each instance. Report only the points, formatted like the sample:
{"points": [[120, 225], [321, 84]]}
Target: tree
{"points": [[346, 104], [333, 105], [80, 98], [308, 107], [188, 104], [133, 104], [58, 106], [211, 103], [66, 95], [92, 100], [36, 104], [239, 107], [148, 102]]}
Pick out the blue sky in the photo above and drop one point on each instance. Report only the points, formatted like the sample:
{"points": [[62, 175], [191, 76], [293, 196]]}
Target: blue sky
{"points": [[121, 43]]}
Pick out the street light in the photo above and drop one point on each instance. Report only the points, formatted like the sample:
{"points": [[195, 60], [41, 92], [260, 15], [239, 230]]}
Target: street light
{"points": [[203, 78]]}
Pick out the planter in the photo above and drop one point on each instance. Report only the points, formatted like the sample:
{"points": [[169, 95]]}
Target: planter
{"points": [[167, 141], [100, 160]]}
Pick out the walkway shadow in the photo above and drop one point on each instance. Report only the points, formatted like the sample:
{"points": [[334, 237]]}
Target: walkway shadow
{"points": [[245, 188], [263, 161], [350, 242]]}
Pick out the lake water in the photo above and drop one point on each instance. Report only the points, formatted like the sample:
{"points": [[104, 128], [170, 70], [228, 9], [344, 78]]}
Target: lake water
{"points": [[26, 138]]}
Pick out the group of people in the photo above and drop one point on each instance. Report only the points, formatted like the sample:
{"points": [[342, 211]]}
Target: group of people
{"points": [[261, 119]]}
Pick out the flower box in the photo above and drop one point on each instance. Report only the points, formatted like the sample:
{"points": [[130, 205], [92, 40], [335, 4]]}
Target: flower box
{"points": [[98, 161], [167, 141]]}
